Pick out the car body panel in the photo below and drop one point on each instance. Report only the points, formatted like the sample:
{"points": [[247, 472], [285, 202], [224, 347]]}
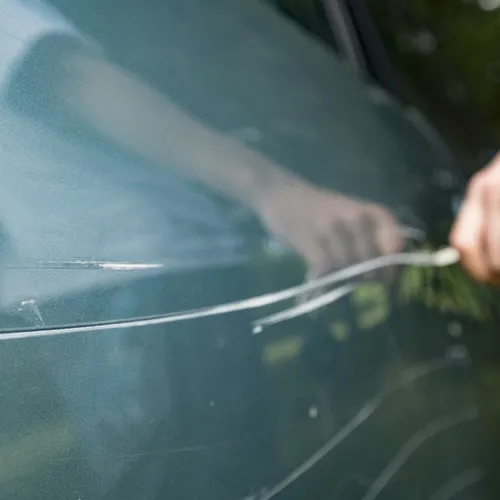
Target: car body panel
{"points": [[370, 397]]}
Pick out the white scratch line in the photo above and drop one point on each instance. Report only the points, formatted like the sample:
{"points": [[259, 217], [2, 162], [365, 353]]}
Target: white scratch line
{"points": [[418, 439], [458, 484], [79, 264], [364, 414], [304, 308], [444, 257], [168, 451]]}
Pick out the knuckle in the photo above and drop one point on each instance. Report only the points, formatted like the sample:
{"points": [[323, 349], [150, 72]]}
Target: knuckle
{"points": [[476, 184], [372, 213]]}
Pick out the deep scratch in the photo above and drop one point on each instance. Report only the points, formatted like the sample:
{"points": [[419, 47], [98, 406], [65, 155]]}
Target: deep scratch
{"points": [[442, 257], [362, 416], [417, 440], [304, 308], [82, 264]]}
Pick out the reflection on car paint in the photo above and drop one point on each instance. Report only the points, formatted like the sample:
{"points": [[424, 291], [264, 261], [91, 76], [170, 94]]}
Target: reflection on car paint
{"points": [[86, 264], [441, 258], [303, 308], [129, 399], [414, 443], [273, 246], [407, 378]]}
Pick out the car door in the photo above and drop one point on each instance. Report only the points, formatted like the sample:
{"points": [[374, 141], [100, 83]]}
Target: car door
{"points": [[121, 374], [443, 58]]}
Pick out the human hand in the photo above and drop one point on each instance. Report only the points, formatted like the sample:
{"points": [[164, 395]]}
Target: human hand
{"points": [[476, 232], [327, 229]]}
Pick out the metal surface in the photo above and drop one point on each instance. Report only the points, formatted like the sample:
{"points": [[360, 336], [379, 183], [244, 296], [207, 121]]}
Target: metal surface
{"points": [[371, 396]]}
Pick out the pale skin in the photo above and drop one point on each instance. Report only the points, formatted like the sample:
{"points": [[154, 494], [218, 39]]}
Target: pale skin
{"points": [[328, 230], [476, 232]]}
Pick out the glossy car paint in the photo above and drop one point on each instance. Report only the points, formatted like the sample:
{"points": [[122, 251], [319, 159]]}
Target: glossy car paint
{"points": [[372, 397]]}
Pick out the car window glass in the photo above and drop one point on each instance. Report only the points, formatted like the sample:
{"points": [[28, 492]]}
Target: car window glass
{"points": [[447, 53], [311, 15]]}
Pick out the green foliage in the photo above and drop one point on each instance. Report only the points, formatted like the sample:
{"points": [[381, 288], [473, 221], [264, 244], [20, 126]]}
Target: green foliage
{"points": [[470, 37], [446, 54]]}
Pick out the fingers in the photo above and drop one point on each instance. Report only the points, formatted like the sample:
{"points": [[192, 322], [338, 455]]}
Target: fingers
{"points": [[468, 235], [365, 237], [366, 241], [337, 246], [388, 237], [344, 237], [492, 233], [367, 233], [346, 242], [359, 233], [332, 246]]}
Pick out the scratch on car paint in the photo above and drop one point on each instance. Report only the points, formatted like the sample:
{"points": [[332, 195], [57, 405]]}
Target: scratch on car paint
{"points": [[443, 257], [407, 378], [86, 264], [195, 448], [304, 308], [458, 484], [418, 439], [169, 451]]}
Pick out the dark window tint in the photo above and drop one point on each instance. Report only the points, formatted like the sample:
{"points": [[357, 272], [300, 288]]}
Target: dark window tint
{"points": [[310, 14], [447, 53]]}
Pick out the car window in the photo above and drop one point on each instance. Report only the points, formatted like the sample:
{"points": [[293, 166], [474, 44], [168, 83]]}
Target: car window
{"points": [[446, 53], [311, 15]]}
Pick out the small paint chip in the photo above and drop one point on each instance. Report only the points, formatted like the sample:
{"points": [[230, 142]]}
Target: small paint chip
{"points": [[313, 412]]}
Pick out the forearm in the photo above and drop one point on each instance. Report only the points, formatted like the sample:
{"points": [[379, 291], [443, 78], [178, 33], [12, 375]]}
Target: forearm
{"points": [[137, 117]]}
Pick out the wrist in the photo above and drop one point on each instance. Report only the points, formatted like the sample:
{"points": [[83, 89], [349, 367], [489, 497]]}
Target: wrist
{"points": [[269, 184]]}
